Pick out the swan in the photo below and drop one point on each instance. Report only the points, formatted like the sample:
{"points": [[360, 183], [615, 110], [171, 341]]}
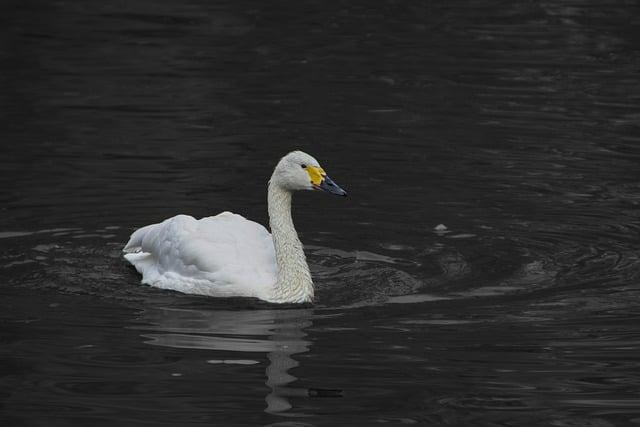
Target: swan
{"points": [[227, 255]]}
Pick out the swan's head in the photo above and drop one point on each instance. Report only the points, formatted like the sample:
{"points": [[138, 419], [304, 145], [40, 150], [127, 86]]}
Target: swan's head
{"points": [[300, 171]]}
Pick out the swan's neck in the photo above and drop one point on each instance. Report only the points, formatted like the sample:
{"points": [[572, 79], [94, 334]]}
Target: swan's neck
{"points": [[294, 279]]}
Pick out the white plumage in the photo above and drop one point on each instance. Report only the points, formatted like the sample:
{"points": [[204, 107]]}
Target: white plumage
{"points": [[223, 255], [227, 255]]}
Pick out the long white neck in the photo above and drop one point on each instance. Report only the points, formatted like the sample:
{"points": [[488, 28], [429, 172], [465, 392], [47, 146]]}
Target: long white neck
{"points": [[294, 282]]}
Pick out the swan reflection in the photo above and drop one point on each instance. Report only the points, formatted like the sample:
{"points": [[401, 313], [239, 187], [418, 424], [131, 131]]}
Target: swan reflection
{"points": [[279, 333]]}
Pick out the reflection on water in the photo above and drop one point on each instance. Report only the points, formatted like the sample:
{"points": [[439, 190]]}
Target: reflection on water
{"points": [[278, 333]]}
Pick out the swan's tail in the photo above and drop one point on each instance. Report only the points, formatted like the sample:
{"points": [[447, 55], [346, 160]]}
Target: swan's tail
{"points": [[141, 260], [135, 241]]}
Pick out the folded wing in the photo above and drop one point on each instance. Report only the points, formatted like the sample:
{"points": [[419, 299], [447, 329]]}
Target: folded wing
{"points": [[223, 255]]}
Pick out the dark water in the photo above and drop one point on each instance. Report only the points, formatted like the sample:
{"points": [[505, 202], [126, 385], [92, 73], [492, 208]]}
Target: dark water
{"points": [[514, 124]]}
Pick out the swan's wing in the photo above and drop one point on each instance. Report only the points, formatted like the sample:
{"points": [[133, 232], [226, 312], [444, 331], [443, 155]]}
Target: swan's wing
{"points": [[226, 253]]}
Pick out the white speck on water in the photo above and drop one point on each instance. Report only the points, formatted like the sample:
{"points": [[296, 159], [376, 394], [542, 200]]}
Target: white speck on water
{"points": [[441, 229], [176, 374]]}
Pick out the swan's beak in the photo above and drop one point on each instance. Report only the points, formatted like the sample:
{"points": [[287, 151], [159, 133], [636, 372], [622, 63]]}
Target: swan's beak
{"points": [[331, 187], [321, 181]]}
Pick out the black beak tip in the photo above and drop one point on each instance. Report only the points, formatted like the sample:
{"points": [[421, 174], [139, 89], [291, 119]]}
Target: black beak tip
{"points": [[331, 187]]}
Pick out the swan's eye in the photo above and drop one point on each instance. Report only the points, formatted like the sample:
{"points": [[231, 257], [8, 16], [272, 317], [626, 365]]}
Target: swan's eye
{"points": [[303, 166]]}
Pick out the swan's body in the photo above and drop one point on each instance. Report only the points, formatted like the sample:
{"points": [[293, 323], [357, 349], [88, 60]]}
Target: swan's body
{"points": [[227, 255], [222, 255]]}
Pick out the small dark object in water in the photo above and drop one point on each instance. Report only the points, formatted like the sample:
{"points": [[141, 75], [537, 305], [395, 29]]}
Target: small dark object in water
{"points": [[324, 392]]}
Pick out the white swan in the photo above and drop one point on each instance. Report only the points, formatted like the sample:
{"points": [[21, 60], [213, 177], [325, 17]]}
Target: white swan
{"points": [[227, 255]]}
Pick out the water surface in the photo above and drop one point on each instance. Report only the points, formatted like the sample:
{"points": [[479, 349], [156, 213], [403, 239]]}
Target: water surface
{"points": [[483, 270]]}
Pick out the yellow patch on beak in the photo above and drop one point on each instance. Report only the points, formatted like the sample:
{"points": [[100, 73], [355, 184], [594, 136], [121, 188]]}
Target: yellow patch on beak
{"points": [[316, 174]]}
